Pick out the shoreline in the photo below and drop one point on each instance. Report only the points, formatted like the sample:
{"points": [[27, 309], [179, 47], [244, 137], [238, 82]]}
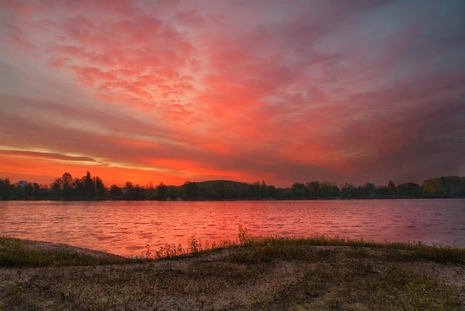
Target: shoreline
{"points": [[364, 198]]}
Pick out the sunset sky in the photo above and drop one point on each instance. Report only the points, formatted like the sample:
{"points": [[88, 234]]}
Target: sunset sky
{"points": [[282, 91]]}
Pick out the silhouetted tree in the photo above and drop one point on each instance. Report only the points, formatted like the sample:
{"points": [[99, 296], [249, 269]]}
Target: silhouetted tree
{"points": [[271, 192], [5, 188], [299, 191], [409, 189], [174, 192], [280, 194], [99, 186], [328, 190], [78, 188], [263, 192], [139, 193], [313, 188], [220, 190], [381, 192], [89, 186], [368, 189], [429, 187], [191, 190], [128, 191], [28, 191], [150, 192], [253, 191], [162, 191], [38, 192], [392, 188], [348, 191], [457, 186], [446, 186], [66, 185], [56, 188], [115, 192]]}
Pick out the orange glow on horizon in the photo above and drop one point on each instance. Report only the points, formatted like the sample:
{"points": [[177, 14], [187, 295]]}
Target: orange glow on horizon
{"points": [[44, 170]]}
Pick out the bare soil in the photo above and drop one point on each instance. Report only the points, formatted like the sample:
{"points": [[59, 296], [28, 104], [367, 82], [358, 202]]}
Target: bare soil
{"points": [[212, 281]]}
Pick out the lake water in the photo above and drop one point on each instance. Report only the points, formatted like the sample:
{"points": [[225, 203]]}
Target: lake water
{"points": [[124, 228]]}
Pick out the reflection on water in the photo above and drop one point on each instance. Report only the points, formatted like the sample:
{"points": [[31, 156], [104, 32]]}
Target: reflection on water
{"points": [[125, 228]]}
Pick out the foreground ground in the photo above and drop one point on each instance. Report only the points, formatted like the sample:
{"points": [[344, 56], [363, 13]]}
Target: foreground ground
{"points": [[259, 274]]}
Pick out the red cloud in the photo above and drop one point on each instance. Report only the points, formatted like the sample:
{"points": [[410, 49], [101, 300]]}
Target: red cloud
{"points": [[236, 89]]}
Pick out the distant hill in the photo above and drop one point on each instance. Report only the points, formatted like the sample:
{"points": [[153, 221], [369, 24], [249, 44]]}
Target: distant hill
{"points": [[213, 183], [215, 190]]}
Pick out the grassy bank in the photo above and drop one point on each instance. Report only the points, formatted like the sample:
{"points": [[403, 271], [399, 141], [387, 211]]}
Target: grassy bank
{"points": [[256, 274], [18, 253]]}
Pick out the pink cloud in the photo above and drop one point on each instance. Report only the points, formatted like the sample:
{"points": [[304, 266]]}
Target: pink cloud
{"points": [[18, 7], [240, 89]]}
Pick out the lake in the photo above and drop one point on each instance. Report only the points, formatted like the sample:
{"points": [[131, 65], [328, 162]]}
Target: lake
{"points": [[125, 227]]}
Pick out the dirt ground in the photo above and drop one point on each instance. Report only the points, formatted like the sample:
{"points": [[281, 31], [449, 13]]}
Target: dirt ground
{"points": [[209, 281]]}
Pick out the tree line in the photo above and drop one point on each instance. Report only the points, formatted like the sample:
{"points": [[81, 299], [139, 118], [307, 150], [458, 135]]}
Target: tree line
{"points": [[93, 188]]}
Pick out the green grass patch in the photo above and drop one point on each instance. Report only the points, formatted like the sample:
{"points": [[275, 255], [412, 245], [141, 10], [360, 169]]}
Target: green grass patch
{"points": [[266, 248], [16, 253]]}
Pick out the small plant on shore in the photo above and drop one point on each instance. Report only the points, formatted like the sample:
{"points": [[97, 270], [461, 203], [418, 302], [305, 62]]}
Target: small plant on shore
{"points": [[148, 252], [194, 245], [244, 236], [170, 251]]}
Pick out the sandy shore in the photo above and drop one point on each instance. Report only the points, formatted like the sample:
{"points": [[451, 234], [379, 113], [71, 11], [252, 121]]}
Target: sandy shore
{"points": [[217, 281]]}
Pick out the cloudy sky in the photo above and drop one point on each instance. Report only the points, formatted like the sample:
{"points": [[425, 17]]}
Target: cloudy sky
{"points": [[282, 91]]}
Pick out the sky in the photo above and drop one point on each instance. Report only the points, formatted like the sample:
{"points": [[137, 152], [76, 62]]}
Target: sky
{"points": [[282, 90]]}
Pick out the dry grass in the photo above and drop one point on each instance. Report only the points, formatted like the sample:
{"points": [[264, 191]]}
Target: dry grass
{"points": [[259, 274]]}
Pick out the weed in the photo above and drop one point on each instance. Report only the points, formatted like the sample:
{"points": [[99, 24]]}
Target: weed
{"points": [[244, 236], [194, 245], [170, 251], [148, 252]]}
